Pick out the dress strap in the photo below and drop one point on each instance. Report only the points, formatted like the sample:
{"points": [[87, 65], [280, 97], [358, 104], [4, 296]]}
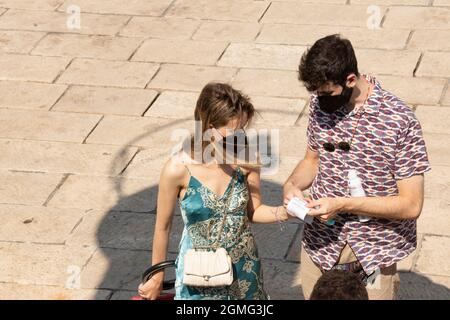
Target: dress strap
{"points": [[190, 175], [239, 172], [189, 171]]}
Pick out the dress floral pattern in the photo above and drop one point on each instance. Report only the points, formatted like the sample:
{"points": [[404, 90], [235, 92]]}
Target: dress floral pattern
{"points": [[202, 211]]}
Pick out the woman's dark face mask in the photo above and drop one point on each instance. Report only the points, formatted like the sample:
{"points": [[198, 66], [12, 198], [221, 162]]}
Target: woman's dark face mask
{"points": [[330, 104], [235, 145]]}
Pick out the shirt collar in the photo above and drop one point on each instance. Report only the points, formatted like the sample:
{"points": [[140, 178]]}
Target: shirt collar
{"points": [[375, 99]]}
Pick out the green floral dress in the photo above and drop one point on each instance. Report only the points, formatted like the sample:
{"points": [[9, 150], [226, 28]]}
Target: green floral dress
{"points": [[202, 211]]}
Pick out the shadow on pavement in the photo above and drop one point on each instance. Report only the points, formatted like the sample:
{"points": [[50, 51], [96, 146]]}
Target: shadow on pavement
{"points": [[125, 236]]}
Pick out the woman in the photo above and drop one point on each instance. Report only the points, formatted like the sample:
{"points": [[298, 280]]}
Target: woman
{"points": [[208, 189]]}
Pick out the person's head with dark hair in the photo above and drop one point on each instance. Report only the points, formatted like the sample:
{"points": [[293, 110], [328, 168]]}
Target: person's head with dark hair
{"points": [[330, 69], [339, 285], [330, 59]]}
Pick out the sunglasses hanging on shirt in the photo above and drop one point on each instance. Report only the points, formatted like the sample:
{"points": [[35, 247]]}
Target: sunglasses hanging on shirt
{"points": [[330, 146]]}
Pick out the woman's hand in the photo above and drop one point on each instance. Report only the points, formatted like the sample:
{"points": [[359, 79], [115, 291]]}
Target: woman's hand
{"points": [[325, 208], [151, 289]]}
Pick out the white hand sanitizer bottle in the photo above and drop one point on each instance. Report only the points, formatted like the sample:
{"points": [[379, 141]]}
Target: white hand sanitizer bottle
{"points": [[356, 189]]}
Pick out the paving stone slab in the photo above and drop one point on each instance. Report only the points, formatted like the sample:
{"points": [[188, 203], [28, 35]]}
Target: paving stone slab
{"points": [[278, 111], [61, 157], [160, 27], [158, 133], [437, 183], [433, 119], [42, 264], [174, 104], [437, 151], [438, 42], [20, 187], [417, 286], [281, 280], [42, 125], [262, 56], [97, 192], [392, 62], [433, 259], [37, 224], [231, 31], [109, 73], [234, 10], [85, 46], [409, 17], [293, 254], [104, 100], [446, 100], [19, 41], [123, 294], [52, 21], [414, 90], [133, 7], [31, 68], [14, 291], [275, 83], [434, 64], [189, 77], [441, 3], [361, 37], [31, 4], [434, 217], [408, 263], [117, 269], [319, 14], [122, 230], [271, 241], [180, 51], [29, 95], [147, 164], [287, 141], [393, 2]]}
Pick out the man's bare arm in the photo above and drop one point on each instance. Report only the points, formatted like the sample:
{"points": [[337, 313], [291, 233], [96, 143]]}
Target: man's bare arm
{"points": [[406, 205], [303, 174]]}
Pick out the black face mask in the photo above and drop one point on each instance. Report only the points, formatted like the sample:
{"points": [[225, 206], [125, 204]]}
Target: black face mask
{"points": [[235, 145], [330, 104]]}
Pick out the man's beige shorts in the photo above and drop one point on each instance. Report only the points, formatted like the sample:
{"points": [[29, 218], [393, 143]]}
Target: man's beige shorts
{"points": [[385, 287]]}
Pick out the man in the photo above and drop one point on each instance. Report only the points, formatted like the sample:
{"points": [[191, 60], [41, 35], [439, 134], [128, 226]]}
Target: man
{"points": [[354, 124]]}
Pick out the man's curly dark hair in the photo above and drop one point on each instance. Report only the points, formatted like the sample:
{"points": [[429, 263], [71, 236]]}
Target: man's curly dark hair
{"points": [[330, 59], [339, 285]]}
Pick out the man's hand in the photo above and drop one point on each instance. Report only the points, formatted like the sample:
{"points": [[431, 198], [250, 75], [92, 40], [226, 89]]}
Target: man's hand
{"points": [[325, 208], [302, 177], [290, 191]]}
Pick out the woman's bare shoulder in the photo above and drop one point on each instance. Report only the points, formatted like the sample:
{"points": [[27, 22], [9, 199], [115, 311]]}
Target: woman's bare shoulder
{"points": [[174, 170]]}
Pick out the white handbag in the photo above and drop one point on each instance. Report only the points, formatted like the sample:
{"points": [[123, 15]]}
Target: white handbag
{"points": [[204, 268], [209, 266]]}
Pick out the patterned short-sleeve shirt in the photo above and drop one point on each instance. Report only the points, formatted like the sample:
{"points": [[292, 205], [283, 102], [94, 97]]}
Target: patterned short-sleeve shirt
{"points": [[387, 146]]}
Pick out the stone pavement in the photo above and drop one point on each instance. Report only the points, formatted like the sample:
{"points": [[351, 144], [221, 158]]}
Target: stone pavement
{"points": [[89, 101]]}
